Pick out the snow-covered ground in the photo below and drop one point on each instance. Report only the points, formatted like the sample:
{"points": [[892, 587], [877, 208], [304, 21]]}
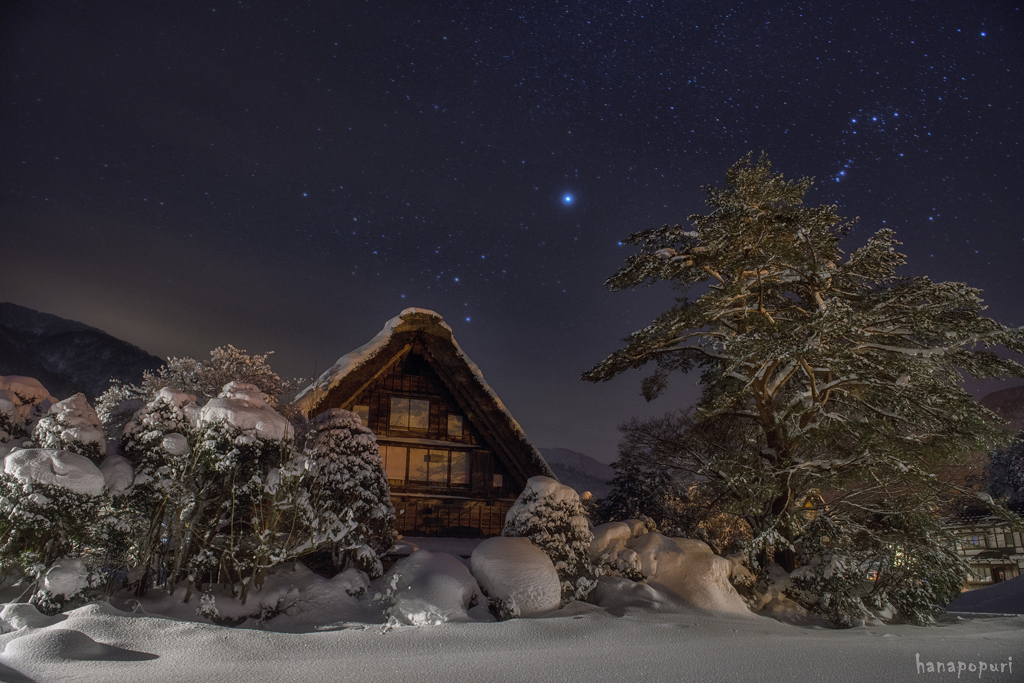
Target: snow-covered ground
{"points": [[581, 642]]}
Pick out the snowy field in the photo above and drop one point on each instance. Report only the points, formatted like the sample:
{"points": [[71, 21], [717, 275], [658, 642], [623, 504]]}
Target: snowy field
{"points": [[577, 643], [339, 630]]}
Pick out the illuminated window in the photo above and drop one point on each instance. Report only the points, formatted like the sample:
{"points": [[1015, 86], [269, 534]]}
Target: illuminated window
{"points": [[460, 468], [975, 541], [454, 425], [394, 463], [363, 412], [497, 481], [431, 466], [410, 413], [419, 461]]}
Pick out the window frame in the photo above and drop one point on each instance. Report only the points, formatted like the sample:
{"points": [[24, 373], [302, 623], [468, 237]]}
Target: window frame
{"points": [[408, 426]]}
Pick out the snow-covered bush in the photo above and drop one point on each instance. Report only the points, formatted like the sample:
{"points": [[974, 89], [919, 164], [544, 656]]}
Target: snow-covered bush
{"points": [[72, 425], [679, 568], [11, 424], [206, 378], [247, 476], [68, 583], [898, 567], [116, 406], [166, 485], [349, 500], [51, 506], [426, 589], [517, 576], [23, 400], [215, 488], [551, 515]]}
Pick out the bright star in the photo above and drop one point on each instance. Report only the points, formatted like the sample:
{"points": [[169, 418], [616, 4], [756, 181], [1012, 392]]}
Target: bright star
{"points": [[568, 199]]}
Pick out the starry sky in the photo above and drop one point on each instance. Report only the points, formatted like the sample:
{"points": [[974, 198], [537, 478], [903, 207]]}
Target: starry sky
{"points": [[288, 176]]}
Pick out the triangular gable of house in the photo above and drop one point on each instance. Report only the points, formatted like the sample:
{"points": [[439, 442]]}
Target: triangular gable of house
{"points": [[425, 330]]}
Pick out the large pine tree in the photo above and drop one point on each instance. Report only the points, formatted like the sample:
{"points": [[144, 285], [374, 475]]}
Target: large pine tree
{"points": [[849, 374]]}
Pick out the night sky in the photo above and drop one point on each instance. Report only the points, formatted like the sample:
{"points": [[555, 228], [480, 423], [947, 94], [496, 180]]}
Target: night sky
{"points": [[289, 176]]}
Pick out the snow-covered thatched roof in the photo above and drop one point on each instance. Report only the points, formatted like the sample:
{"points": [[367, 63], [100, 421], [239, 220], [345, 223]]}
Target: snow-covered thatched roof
{"points": [[353, 371]]}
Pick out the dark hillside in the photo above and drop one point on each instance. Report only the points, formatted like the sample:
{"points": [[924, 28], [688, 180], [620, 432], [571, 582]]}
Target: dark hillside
{"points": [[66, 356]]}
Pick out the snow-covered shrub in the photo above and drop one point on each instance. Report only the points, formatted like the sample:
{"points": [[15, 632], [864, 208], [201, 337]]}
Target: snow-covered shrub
{"points": [[350, 507], [215, 488], [248, 478], [426, 589], [68, 583], [206, 378], [51, 506], [551, 515], [11, 424], [517, 576], [608, 552], [679, 568], [116, 406], [72, 425], [831, 580], [23, 400], [166, 485], [899, 567]]}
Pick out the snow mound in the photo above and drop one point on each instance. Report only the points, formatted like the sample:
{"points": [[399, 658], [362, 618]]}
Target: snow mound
{"points": [[685, 568], [21, 614], [244, 407], [118, 473], [1005, 597], [431, 588], [66, 577], [9, 403], [20, 396], [55, 468], [514, 569], [73, 419], [61, 644], [28, 389], [610, 538]]}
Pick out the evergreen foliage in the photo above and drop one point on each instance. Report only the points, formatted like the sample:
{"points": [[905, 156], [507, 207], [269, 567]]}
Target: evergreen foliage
{"points": [[834, 374], [552, 517], [349, 497], [71, 425], [638, 490], [1006, 473]]}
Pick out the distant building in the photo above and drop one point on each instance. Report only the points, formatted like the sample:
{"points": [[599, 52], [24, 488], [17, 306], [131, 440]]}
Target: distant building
{"points": [[994, 550], [455, 458]]}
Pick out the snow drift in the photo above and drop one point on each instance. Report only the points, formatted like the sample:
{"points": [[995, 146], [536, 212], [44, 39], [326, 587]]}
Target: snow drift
{"points": [[684, 568]]}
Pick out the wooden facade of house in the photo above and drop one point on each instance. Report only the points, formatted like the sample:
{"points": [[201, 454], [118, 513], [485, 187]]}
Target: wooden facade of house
{"points": [[994, 550], [455, 459]]}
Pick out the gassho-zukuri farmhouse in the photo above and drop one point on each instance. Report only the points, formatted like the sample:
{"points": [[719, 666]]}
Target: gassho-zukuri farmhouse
{"points": [[456, 459]]}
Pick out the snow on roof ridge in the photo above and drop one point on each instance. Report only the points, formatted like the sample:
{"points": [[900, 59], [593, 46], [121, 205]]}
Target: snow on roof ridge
{"points": [[307, 399]]}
